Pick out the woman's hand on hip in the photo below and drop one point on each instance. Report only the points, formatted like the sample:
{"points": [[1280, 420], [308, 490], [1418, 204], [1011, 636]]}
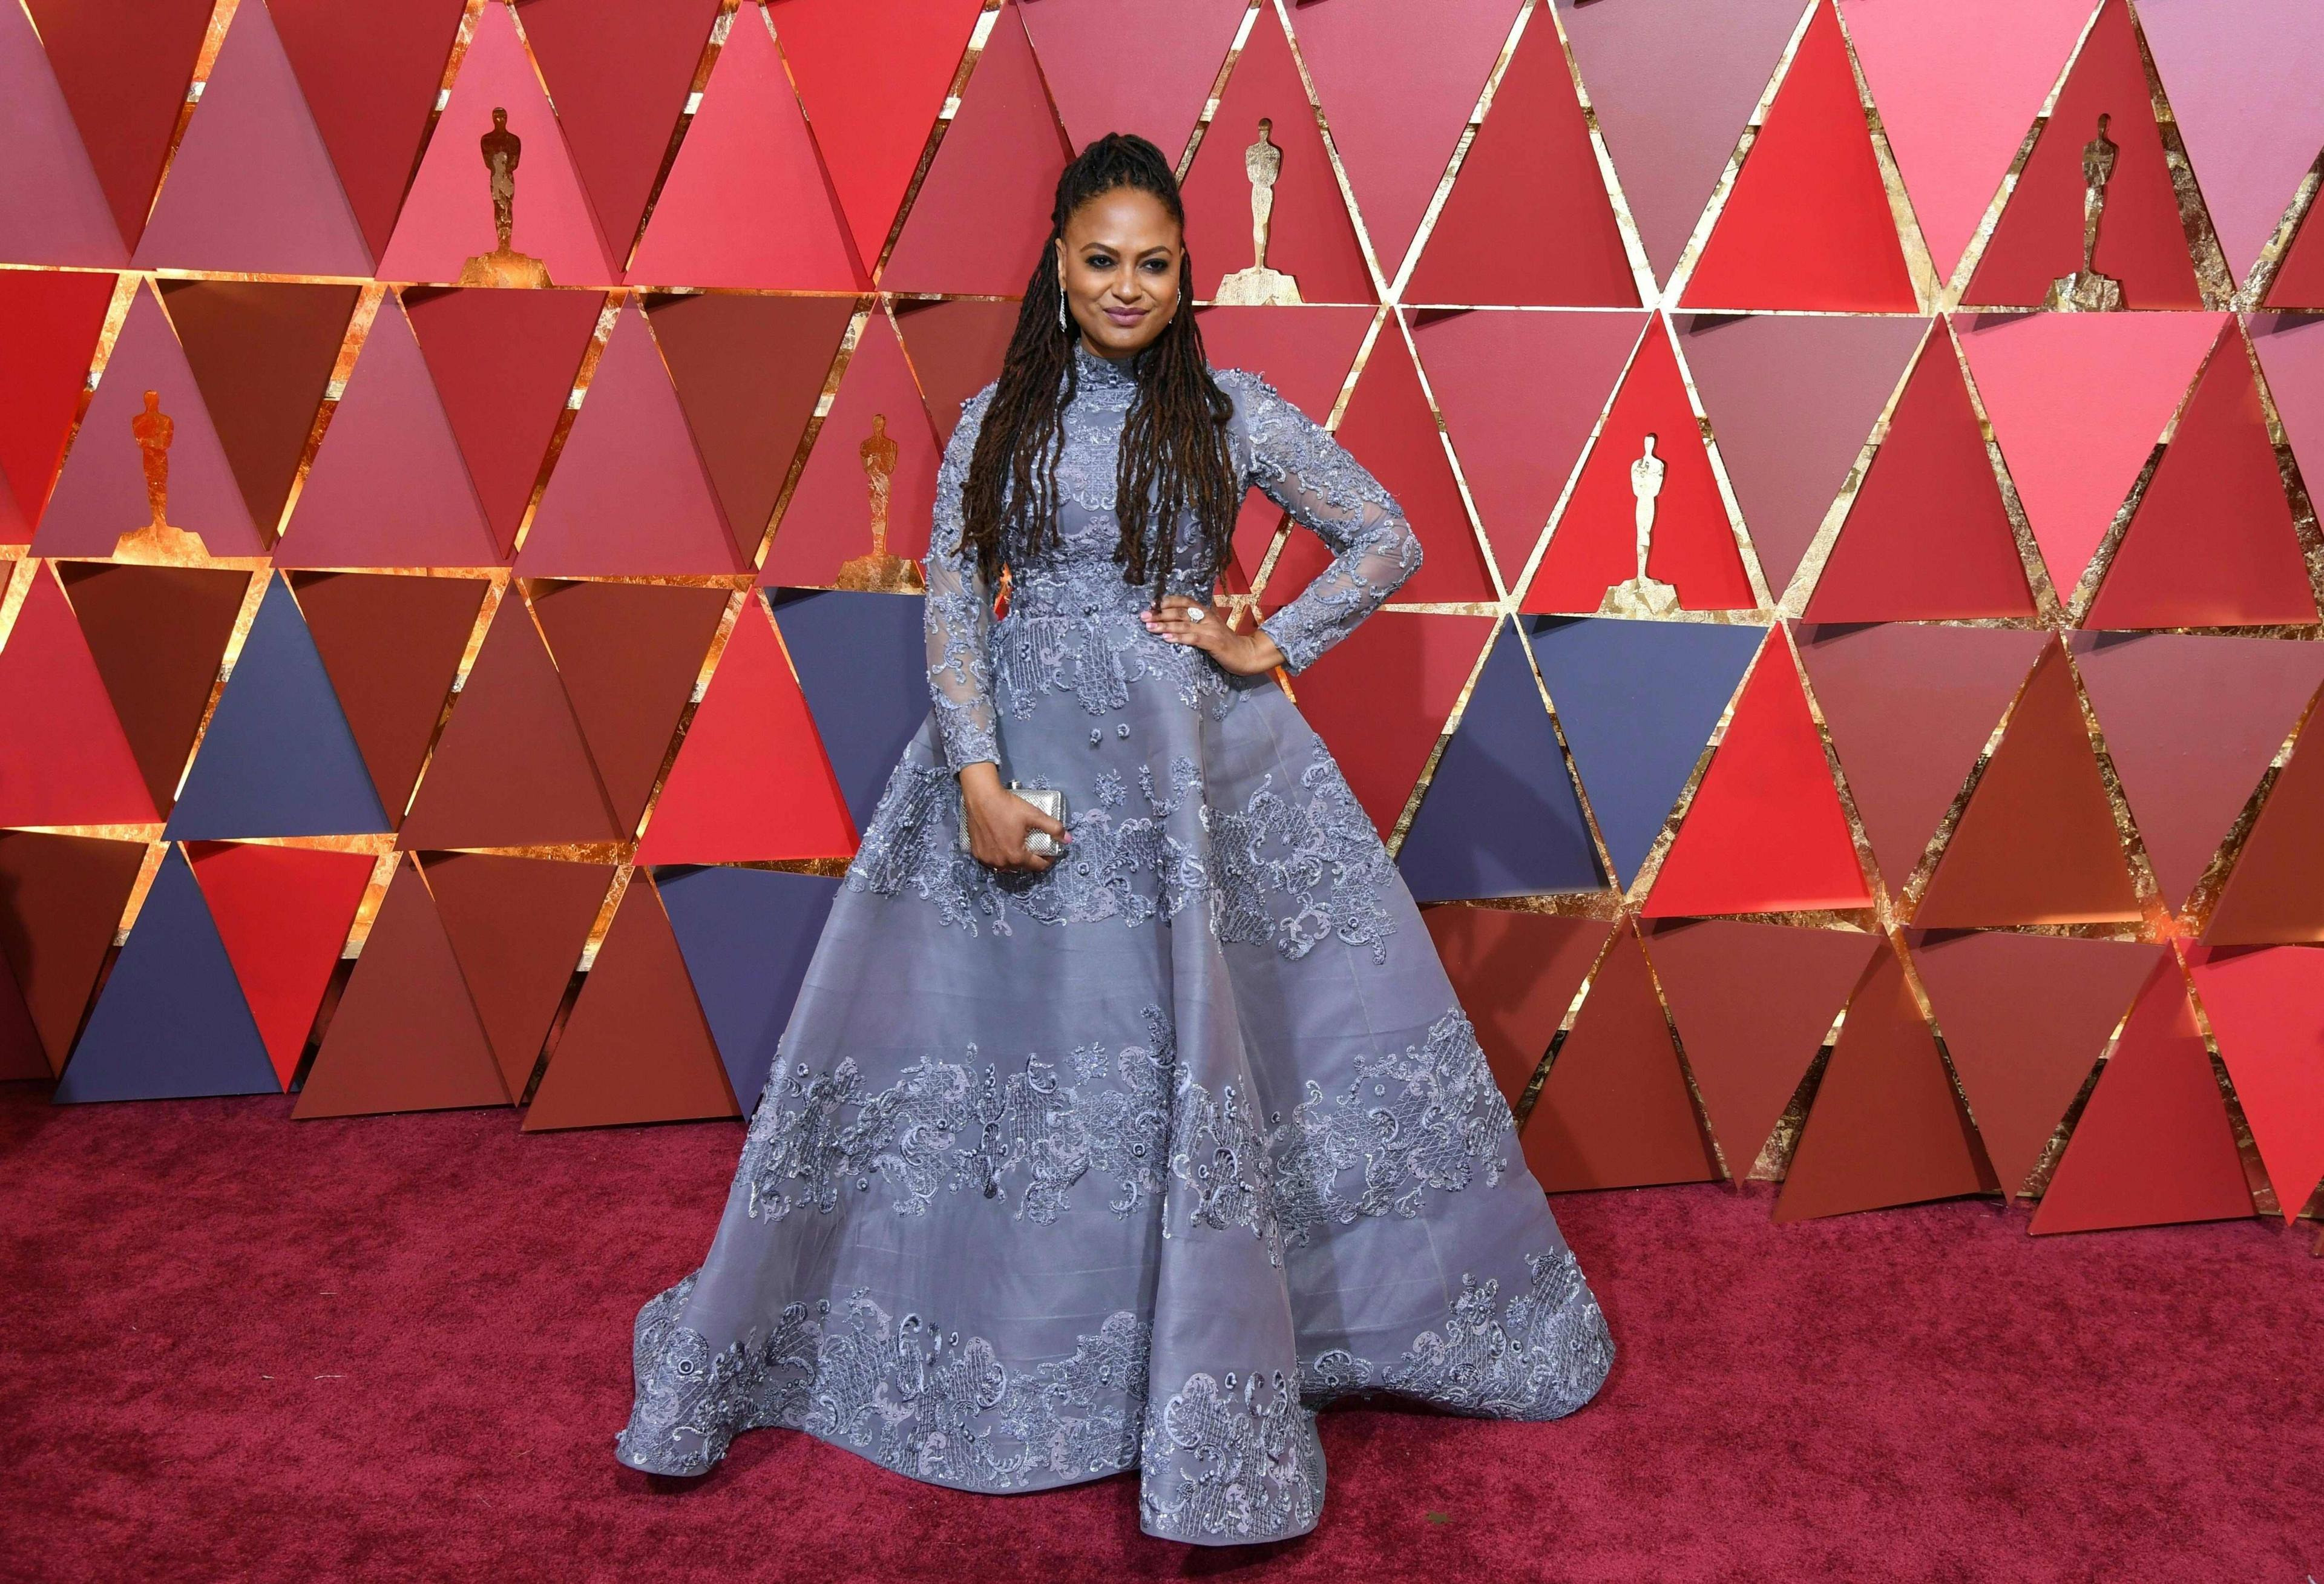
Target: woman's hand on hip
{"points": [[1180, 620], [998, 821]]}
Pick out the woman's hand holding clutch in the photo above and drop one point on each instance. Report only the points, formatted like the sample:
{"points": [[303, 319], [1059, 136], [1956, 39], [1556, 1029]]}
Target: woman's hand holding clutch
{"points": [[998, 821], [1180, 620]]}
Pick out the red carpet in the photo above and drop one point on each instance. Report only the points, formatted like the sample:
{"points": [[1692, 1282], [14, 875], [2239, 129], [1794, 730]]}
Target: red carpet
{"points": [[398, 1347]]}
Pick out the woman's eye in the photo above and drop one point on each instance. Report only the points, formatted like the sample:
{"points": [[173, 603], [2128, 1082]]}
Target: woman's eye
{"points": [[1098, 260]]}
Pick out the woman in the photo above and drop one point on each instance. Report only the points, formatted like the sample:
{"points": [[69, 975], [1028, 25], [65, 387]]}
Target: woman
{"points": [[1134, 1155]]}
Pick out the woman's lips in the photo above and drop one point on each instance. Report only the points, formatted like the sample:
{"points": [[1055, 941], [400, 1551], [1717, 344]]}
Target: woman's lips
{"points": [[1125, 317]]}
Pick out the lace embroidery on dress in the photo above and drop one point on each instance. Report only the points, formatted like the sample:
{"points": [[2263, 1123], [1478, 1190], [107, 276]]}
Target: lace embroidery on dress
{"points": [[1285, 873], [909, 1395], [957, 615], [1304, 470], [1234, 1457], [1542, 1357], [1427, 1116], [956, 1127]]}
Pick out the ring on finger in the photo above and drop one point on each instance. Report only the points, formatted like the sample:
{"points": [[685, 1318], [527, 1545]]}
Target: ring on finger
{"points": [[1196, 613]]}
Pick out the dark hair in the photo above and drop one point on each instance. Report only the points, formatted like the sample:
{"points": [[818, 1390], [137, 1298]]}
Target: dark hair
{"points": [[1175, 459]]}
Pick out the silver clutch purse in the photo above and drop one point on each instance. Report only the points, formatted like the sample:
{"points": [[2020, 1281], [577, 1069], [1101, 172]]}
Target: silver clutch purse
{"points": [[1049, 800]]}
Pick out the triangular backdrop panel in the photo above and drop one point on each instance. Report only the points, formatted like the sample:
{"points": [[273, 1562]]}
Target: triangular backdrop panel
{"points": [[629, 496], [447, 216], [828, 520], [1927, 537], [389, 486], [1955, 107], [1517, 974], [1672, 89], [157, 634], [171, 1022], [404, 1037], [1764, 833], [2153, 1146], [1562, 245], [750, 781], [1156, 90], [629, 654], [979, 222], [748, 937], [251, 188], [747, 203], [66, 895], [2039, 236], [1637, 700], [2276, 891], [861, 662], [391, 646], [64, 758], [278, 758], [517, 927], [51, 209], [1519, 436], [503, 364], [2037, 843], [1752, 1003], [1615, 1111], [1885, 1127], [2212, 543], [125, 66], [1310, 236], [1594, 544], [636, 1048], [2266, 1008], [1807, 223], [2024, 1019], [284, 913], [1791, 397], [1500, 818], [1379, 698], [956, 348], [620, 73], [101, 493], [369, 75], [512, 769], [1396, 111], [873, 125], [2076, 403], [1909, 709], [262, 352], [51, 321], [2191, 723]]}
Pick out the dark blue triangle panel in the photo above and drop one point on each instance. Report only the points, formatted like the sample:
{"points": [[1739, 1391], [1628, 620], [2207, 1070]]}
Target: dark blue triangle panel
{"points": [[1500, 818], [1637, 700], [747, 935], [862, 663], [278, 759], [173, 1022]]}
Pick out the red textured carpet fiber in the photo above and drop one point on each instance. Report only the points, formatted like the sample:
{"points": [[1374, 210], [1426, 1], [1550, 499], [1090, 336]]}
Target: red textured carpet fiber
{"points": [[397, 1348]]}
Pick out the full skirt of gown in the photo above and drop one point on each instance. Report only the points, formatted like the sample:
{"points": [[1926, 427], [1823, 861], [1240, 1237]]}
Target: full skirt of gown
{"points": [[1132, 1164]]}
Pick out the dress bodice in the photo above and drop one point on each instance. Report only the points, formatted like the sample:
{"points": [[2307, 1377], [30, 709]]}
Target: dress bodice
{"points": [[1070, 599]]}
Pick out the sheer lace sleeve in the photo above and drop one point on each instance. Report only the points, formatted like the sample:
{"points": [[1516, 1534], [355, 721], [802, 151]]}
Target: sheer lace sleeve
{"points": [[958, 616], [1302, 469]]}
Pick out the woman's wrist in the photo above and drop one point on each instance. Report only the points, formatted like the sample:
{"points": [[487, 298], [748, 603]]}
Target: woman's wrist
{"points": [[979, 778]]}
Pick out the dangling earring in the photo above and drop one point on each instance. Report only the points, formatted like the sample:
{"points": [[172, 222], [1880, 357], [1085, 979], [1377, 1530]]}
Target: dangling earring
{"points": [[1062, 325]]}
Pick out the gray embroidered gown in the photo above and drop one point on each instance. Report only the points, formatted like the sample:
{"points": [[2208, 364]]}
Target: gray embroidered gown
{"points": [[1136, 1162]]}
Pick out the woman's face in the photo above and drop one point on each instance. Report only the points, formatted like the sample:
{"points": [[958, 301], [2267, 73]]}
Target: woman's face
{"points": [[1120, 259]]}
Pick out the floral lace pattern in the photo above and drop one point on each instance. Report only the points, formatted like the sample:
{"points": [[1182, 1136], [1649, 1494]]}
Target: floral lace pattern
{"points": [[959, 1126], [1428, 1117], [1541, 1357], [1236, 1458], [1284, 873], [908, 1394], [1071, 625]]}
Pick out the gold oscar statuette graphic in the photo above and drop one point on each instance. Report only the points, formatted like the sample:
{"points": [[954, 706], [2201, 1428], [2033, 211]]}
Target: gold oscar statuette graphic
{"points": [[1643, 595], [880, 571], [1258, 286], [157, 542], [2086, 290], [503, 266]]}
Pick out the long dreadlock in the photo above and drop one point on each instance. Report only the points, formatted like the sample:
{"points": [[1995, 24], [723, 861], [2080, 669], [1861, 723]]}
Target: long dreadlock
{"points": [[1175, 460]]}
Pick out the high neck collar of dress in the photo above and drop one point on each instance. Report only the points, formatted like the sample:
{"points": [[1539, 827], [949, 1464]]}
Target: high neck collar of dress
{"points": [[1107, 374]]}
